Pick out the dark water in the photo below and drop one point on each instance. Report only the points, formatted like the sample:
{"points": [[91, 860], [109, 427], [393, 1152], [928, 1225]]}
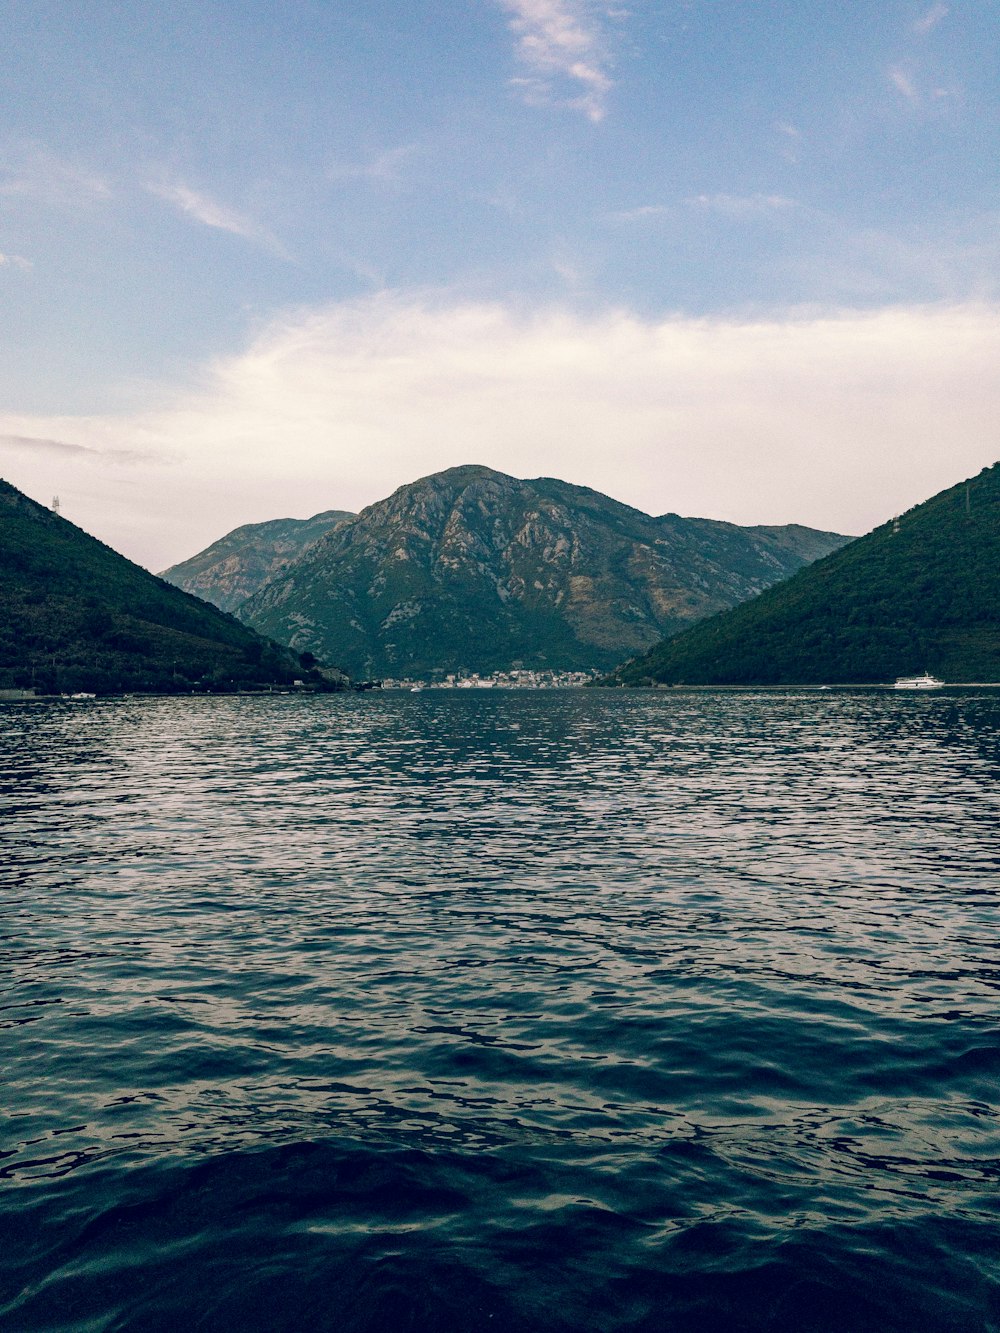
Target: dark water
{"points": [[477, 1010]]}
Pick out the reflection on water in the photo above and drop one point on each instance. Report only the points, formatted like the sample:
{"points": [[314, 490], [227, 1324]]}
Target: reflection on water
{"points": [[540, 1010]]}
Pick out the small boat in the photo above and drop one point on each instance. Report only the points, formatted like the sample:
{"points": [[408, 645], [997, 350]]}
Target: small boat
{"points": [[924, 682]]}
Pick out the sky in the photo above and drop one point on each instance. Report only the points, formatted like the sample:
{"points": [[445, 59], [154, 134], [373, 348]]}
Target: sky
{"points": [[715, 257]]}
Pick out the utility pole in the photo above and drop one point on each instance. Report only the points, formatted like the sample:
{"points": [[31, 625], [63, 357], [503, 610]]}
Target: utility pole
{"points": [[55, 504]]}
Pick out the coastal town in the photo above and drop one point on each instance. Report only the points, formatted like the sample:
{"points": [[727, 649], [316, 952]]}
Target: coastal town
{"points": [[500, 680]]}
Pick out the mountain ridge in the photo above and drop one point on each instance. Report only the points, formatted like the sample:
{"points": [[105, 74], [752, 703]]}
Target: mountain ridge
{"points": [[474, 569], [235, 566]]}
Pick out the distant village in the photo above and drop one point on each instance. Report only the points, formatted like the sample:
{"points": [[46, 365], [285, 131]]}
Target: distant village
{"points": [[500, 680]]}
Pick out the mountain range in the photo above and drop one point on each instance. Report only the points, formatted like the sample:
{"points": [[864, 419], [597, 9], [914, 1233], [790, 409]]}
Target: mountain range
{"points": [[76, 616], [234, 567], [919, 593], [471, 569]]}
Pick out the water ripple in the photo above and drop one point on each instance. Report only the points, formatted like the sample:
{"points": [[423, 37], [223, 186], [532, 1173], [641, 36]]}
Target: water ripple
{"points": [[578, 1010]]}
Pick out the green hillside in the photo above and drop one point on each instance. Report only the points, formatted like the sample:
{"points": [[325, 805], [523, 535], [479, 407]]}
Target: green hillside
{"points": [[921, 592], [75, 615]]}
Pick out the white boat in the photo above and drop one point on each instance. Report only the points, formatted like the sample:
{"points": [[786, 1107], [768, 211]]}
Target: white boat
{"points": [[924, 682]]}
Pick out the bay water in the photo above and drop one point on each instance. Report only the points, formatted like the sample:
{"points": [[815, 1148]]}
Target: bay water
{"points": [[540, 1010]]}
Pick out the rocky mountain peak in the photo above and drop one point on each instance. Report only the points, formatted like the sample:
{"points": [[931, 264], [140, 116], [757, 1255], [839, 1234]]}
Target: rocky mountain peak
{"points": [[472, 568], [234, 567]]}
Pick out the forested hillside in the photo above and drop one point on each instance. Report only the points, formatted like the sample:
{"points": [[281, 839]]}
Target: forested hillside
{"points": [[921, 592], [75, 615]]}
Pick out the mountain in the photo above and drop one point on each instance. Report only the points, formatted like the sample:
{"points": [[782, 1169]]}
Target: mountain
{"points": [[233, 568], [921, 592], [75, 615], [473, 569]]}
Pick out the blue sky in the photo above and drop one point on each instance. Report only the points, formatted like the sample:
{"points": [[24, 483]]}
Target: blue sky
{"points": [[738, 259]]}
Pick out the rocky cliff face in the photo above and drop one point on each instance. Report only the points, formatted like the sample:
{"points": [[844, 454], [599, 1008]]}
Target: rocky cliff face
{"points": [[233, 568], [472, 569]]}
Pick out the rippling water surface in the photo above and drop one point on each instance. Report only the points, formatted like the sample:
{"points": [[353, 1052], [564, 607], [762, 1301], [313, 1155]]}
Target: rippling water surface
{"points": [[508, 1011]]}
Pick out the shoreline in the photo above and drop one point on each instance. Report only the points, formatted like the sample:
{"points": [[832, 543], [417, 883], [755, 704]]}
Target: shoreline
{"points": [[951, 686]]}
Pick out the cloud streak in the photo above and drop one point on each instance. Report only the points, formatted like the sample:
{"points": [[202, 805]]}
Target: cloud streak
{"points": [[739, 207], [929, 100], [563, 46], [929, 21], [903, 82], [385, 168], [200, 207], [36, 173], [63, 449], [742, 206], [641, 214]]}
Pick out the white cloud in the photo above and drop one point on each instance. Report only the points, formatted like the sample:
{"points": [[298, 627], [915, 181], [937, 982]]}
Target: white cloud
{"points": [[927, 22], [62, 448], [15, 261], [742, 206], [934, 100], [194, 204], [640, 214], [36, 173], [739, 206], [563, 45], [385, 167], [833, 419], [903, 82], [791, 139]]}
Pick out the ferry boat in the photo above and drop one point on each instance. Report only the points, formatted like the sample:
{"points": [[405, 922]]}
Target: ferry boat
{"points": [[924, 682]]}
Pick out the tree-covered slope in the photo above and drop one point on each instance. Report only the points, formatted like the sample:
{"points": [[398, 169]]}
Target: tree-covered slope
{"points": [[921, 592], [75, 615], [473, 569], [234, 567]]}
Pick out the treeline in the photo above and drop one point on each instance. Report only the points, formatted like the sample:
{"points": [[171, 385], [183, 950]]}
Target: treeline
{"points": [[921, 592], [75, 615]]}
